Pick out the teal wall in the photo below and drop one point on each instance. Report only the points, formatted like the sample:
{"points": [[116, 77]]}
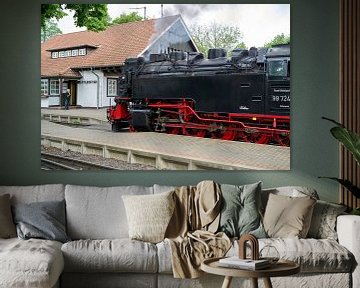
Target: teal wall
{"points": [[314, 34]]}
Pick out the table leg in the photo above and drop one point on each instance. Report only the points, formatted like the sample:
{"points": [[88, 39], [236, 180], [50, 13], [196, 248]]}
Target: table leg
{"points": [[267, 283], [254, 282], [227, 282]]}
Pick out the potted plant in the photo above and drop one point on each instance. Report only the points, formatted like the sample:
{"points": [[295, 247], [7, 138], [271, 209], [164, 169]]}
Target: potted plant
{"points": [[351, 141]]}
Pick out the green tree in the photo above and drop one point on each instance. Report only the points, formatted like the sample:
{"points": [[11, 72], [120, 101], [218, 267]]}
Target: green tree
{"points": [[92, 16], [126, 18], [49, 30], [278, 39], [216, 36]]}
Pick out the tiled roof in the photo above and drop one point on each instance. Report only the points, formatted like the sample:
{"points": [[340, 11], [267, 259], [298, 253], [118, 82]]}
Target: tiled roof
{"points": [[114, 45]]}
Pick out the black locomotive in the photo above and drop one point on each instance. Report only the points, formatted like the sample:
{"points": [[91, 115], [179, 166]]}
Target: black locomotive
{"points": [[245, 97]]}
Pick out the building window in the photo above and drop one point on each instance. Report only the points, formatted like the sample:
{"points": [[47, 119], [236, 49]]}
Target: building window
{"points": [[54, 55], [62, 54], [82, 51], [112, 87], [74, 52], [54, 87], [44, 87], [68, 53]]}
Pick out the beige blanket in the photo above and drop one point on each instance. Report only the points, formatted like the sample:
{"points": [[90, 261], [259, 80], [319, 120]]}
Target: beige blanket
{"points": [[191, 231]]}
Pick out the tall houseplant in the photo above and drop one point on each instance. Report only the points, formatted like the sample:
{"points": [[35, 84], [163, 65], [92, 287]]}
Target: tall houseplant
{"points": [[351, 141]]}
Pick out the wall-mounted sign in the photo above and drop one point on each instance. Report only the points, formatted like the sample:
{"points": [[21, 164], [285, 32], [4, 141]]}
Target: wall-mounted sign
{"points": [[87, 81]]}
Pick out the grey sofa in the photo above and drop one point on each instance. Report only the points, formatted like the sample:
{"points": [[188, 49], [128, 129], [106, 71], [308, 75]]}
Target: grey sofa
{"points": [[101, 254]]}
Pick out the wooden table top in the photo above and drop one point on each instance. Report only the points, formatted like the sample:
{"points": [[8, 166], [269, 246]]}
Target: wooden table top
{"points": [[281, 268]]}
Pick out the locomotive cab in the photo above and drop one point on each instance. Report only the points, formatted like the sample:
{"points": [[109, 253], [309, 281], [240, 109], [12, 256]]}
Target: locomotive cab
{"points": [[278, 80]]}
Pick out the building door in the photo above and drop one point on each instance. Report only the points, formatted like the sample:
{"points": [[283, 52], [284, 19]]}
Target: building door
{"points": [[73, 92]]}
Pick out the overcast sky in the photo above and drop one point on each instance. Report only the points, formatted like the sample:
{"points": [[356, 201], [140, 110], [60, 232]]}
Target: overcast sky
{"points": [[259, 23]]}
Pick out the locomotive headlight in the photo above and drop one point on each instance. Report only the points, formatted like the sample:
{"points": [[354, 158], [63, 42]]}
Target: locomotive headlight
{"points": [[253, 118]]}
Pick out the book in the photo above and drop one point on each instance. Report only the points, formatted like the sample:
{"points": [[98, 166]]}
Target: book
{"points": [[249, 264]]}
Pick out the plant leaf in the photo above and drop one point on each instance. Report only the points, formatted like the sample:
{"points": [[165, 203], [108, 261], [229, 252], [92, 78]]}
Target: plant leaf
{"points": [[347, 184], [348, 138]]}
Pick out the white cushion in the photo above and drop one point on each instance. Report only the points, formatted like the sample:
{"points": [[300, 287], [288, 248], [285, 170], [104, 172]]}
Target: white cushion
{"points": [[30, 263], [117, 255], [98, 213], [149, 215]]}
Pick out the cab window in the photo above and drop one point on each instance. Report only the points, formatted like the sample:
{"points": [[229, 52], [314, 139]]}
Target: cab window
{"points": [[277, 68]]}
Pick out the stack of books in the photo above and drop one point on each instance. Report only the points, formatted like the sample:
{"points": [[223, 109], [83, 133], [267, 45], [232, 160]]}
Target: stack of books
{"points": [[248, 264]]}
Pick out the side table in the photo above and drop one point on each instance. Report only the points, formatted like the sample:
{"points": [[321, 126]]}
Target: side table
{"points": [[281, 268]]}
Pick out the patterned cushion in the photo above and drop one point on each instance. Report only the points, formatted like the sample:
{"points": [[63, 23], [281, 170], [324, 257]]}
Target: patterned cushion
{"points": [[323, 223], [149, 215]]}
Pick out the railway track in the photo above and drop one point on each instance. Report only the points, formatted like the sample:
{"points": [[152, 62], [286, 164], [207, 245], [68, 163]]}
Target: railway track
{"points": [[56, 162]]}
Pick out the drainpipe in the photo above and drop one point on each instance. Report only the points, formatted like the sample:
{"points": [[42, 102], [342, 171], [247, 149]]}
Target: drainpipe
{"points": [[97, 88]]}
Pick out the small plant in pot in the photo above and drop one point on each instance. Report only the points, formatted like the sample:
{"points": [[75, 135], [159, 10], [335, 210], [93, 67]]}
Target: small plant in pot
{"points": [[351, 141]]}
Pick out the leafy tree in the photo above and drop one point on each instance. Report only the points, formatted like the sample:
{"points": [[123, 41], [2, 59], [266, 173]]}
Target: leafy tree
{"points": [[126, 18], [49, 30], [216, 36], [278, 39], [92, 16]]}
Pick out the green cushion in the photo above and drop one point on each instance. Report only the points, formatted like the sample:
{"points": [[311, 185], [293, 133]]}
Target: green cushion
{"points": [[240, 213]]}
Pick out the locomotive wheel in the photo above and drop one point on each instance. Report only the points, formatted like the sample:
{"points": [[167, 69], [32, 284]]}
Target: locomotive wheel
{"points": [[195, 132], [229, 134], [259, 138], [173, 130], [254, 137], [282, 139]]}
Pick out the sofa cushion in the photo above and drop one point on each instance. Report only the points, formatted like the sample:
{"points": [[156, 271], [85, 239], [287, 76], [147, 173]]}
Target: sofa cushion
{"points": [[44, 220], [287, 216], [34, 193], [116, 255], [148, 215], [240, 212], [98, 213], [291, 191], [323, 222], [7, 226], [30, 263], [314, 255]]}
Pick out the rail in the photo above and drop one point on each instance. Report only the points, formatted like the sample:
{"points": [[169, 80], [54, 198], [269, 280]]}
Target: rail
{"points": [[56, 162]]}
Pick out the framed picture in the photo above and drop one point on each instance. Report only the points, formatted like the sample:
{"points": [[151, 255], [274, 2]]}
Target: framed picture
{"points": [[166, 86]]}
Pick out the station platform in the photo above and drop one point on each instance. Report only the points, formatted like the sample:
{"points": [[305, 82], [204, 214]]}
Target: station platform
{"points": [[163, 151]]}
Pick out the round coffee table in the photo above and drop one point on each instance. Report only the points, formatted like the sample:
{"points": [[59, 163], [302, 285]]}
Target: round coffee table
{"points": [[281, 268]]}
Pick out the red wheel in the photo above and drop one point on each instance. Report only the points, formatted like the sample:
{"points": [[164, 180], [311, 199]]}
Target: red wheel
{"points": [[254, 137], [195, 132], [282, 139], [229, 134], [173, 130]]}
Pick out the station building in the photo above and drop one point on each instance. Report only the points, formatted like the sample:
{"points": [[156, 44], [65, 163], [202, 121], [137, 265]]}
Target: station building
{"points": [[89, 63]]}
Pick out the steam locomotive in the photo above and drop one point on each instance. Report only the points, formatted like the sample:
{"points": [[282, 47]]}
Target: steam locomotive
{"points": [[243, 98]]}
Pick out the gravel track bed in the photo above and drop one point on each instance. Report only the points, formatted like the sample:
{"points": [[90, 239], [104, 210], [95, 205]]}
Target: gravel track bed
{"points": [[122, 165]]}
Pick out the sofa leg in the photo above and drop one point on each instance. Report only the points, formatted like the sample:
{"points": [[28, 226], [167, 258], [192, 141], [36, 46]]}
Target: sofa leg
{"points": [[267, 282], [227, 282], [254, 282]]}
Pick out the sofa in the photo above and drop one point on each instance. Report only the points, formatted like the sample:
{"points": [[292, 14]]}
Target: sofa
{"points": [[99, 253]]}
